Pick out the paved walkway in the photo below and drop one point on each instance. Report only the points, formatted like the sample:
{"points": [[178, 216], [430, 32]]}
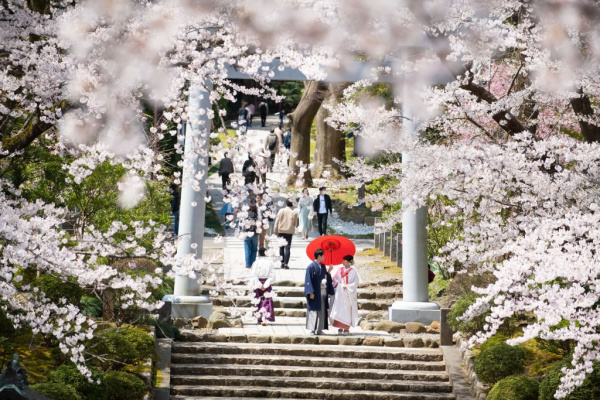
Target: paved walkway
{"points": [[234, 254]]}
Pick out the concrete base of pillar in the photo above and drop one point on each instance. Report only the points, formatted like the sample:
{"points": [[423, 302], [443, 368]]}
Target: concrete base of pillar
{"points": [[189, 306], [424, 312]]}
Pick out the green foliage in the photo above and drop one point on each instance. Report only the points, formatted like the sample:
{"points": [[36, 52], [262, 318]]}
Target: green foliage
{"points": [[540, 357], [293, 93], [120, 346], [6, 326], [59, 358], [589, 390], [56, 391], [55, 289], [123, 385], [497, 360], [91, 306], [437, 288], [93, 201], [166, 287], [516, 387], [380, 185], [458, 309], [69, 375], [7, 332], [165, 330], [441, 229]]}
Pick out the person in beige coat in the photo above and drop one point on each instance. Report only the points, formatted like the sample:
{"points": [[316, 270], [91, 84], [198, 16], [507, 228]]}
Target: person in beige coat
{"points": [[285, 226]]}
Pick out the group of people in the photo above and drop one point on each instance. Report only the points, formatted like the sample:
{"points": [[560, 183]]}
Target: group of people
{"points": [[256, 222], [329, 299], [246, 115], [276, 140]]}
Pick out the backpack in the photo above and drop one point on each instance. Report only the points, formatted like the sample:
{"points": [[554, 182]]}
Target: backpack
{"points": [[287, 140], [272, 142]]}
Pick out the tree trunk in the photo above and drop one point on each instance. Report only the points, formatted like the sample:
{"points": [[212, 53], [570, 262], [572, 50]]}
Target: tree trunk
{"points": [[331, 143], [585, 112], [300, 121]]}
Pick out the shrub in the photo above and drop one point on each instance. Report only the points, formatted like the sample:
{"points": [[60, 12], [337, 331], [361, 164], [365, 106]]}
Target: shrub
{"points": [[91, 307], [123, 385], [516, 387], [166, 287], [120, 346], [165, 330], [69, 375], [56, 391], [458, 309], [141, 340], [437, 288], [55, 289], [589, 390], [498, 360]]}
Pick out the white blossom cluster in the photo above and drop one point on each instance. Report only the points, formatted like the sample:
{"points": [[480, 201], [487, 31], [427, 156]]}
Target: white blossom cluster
{"points": [[32, 239], [494, 89]]}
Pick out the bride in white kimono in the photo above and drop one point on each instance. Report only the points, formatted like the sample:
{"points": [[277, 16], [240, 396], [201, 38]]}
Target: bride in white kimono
{"points": [[344, 311]]}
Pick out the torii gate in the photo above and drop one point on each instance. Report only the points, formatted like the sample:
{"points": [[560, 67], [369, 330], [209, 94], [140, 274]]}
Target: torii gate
{"points": [[187, 301]]}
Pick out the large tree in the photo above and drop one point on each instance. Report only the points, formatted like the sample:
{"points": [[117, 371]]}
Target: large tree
{"points": [[330, 148], [301, 121]]}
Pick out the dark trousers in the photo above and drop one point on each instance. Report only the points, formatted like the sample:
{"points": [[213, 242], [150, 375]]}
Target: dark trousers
{"points": [[263, 120], [322, 223], [225, 179], [176, 223], [271, 162], [284, 251]]}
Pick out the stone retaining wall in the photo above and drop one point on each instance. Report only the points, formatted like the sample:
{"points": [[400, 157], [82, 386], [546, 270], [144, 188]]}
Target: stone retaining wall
{"points": [[478, 388]]}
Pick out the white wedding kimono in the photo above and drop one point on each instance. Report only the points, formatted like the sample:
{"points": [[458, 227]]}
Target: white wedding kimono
{"points": [[344, 311]]}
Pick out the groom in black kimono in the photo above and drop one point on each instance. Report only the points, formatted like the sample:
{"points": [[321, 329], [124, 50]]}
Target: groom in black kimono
{"points": [[317, 286]]}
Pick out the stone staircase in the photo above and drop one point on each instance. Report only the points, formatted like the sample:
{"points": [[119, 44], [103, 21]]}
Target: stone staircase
{"points": [[201, 370], [291, 302]]}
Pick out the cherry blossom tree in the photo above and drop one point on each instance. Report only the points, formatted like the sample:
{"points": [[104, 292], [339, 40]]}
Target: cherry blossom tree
{"points": [[510, 140]]}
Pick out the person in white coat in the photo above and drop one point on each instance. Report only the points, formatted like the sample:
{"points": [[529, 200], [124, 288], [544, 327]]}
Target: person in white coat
{"points": [[262, 277], [344, 312]]}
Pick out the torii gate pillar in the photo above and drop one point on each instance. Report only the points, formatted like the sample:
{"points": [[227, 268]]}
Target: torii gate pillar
{"points": [[415, 306], [187, 302]]}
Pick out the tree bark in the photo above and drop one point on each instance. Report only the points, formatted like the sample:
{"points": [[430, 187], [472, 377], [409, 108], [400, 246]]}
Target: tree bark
{"points": [[301, 121], [331, 143], [583, 109]]}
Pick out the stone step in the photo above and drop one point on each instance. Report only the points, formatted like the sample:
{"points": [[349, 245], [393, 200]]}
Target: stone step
{"points": [[286, 312], [370, 339], [296, 303], [337, 351], [366, 294], [293, 291], [299, 362], [324, 382], [306, 372], [299, 365], [200, 392], [221, 398]]}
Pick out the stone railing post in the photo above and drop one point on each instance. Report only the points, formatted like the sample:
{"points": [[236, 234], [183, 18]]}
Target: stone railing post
{"points": [[394, 246]]}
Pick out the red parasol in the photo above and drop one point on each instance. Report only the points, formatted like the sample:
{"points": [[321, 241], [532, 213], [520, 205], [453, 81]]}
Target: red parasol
{"points": [[335, 247]]}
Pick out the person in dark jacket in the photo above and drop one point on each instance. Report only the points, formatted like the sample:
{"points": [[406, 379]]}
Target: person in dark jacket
{"points": [[322, 206], [263, 108], [249, 171], [317, 287], [225, 169], [175, 200]]}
